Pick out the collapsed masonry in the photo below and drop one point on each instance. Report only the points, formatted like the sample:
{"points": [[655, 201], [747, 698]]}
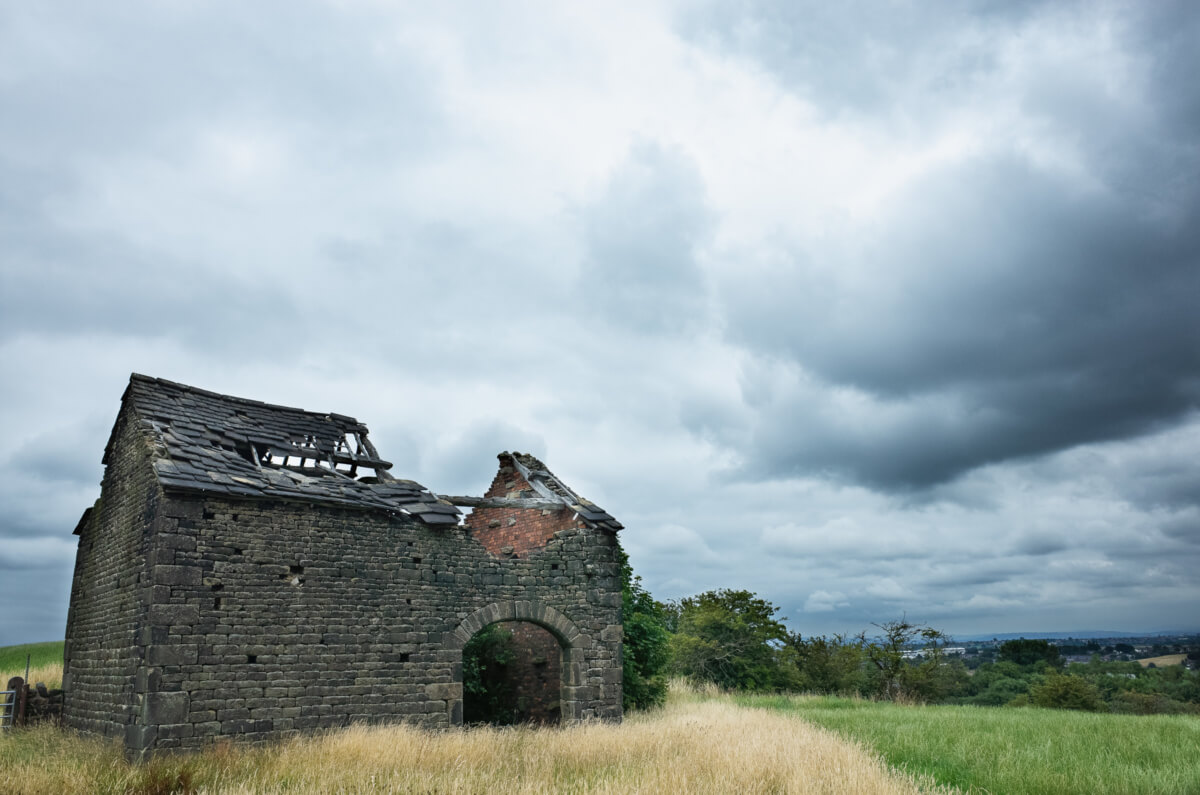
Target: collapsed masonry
{"points": [[254, 570]]}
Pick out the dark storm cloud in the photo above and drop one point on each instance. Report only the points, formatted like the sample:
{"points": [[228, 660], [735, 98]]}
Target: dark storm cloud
{"points": [[1018, 320], [1000, 308], [642, 233]]}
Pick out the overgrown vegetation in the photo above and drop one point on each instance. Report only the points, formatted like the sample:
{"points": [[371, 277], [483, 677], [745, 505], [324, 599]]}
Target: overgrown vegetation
{"points": [[644, 652], [695, 744], [487, 693]]}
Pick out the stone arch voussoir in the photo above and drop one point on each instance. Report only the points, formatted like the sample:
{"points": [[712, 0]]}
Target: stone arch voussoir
{"points": [[572, 640]]}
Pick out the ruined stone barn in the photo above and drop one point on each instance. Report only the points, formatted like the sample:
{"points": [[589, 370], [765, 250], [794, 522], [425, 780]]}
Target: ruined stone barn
{"points": [[255, 570]]}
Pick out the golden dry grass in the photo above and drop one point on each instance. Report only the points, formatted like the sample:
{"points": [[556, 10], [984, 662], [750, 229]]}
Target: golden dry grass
{"points": [[694, 745], [50, 674], [1166, 659]]}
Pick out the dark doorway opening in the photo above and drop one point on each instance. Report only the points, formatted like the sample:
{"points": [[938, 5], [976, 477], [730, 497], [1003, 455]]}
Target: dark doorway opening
{"points": [[512, 673]]}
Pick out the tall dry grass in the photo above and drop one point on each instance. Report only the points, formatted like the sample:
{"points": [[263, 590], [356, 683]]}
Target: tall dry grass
{"points": [[696, 744], [50, 674]]}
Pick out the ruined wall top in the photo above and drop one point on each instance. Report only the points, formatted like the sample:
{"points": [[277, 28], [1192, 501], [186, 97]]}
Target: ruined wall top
{"points": [[217, 444]]}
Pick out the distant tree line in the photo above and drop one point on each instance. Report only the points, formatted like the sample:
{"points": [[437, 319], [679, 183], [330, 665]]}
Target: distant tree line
{"points": [[736, 640]]}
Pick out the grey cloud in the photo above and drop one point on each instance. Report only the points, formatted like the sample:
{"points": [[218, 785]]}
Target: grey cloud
{"points": [[863, 57], [467, 464], [1183, 527], [42, 611], [143, 76], [641, 236], [1038, 545], [1044, 319]]}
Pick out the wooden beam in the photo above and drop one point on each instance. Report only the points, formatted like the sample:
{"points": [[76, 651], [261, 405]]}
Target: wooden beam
{"points": [[502, 502]]}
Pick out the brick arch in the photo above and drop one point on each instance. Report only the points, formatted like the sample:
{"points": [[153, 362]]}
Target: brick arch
{"points": [[572, 641]]}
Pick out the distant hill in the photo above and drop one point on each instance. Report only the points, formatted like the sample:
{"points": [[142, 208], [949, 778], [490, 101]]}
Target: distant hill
{"points": [[1079, 634]]}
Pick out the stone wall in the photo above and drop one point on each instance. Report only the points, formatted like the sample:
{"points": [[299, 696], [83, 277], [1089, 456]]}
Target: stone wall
{"points": [[535, 673], [266, 619], [516, 532], [103, 651]]}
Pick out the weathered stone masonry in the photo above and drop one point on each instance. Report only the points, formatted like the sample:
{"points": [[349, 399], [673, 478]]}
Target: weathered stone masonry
{"points": [[226, 586]]}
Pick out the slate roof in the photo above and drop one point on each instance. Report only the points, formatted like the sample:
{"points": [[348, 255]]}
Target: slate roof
{"points": [[230, 446], [545, 483]]}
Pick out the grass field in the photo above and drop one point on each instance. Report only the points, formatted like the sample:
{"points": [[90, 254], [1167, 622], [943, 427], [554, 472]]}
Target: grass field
{"points": [[12, 658], [990, 749], [694, 745], [1160, 662], [701, 742]]}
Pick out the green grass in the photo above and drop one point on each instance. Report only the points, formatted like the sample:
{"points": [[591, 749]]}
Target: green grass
{"points": [[12, 658], [1008, 750]]}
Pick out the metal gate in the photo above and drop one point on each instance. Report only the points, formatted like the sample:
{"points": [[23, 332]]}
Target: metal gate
{"points": [[8, 708]]}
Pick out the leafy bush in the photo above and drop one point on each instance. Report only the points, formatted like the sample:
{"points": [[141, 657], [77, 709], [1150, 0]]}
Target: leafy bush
{"points": [[1066, 691], [645, 652]]}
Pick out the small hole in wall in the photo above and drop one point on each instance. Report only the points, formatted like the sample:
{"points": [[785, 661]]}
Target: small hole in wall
{"points": [[404, 657], [408, 601], [416, 560], [237, 550], [217, 603], [296, 569], [251, 658], [235, 517], [217, 586], [209, 515], [553, 567]]}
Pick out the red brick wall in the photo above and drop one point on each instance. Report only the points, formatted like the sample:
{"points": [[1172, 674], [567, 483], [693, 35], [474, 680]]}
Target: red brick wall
{"points": [[536, 673], [515, 532]]}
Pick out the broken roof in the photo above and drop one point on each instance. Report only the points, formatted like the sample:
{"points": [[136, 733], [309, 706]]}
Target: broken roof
{"points": [[547, 484], [235, 447]]}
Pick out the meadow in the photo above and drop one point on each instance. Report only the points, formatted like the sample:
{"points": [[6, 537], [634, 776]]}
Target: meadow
{"points": [[40, 655], [1027, 750], [696, 744], [702, 741]]}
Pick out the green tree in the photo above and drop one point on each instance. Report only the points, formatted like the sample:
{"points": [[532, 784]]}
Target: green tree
{"points": [[830, 665], [1030, 652], [645, 650], [896, 676], [731, 638]]}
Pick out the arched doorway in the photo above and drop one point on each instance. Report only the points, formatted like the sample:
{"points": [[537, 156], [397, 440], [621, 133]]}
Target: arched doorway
{"points": [[543, 667], [512, 673]]}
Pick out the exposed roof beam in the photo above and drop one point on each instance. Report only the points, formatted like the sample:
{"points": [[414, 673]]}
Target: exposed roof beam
{"points": [[502, 502]]}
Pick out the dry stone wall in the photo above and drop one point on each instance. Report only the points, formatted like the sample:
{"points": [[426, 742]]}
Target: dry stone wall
{"points": [[102, 653], [265, 619]]}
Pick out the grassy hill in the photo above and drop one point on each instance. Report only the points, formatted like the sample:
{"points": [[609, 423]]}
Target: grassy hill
{"points": [[1166, 659], [12, 658]]}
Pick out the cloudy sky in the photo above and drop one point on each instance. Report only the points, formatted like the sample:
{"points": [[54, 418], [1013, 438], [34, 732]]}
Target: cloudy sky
{"points": [[876, 309]]}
